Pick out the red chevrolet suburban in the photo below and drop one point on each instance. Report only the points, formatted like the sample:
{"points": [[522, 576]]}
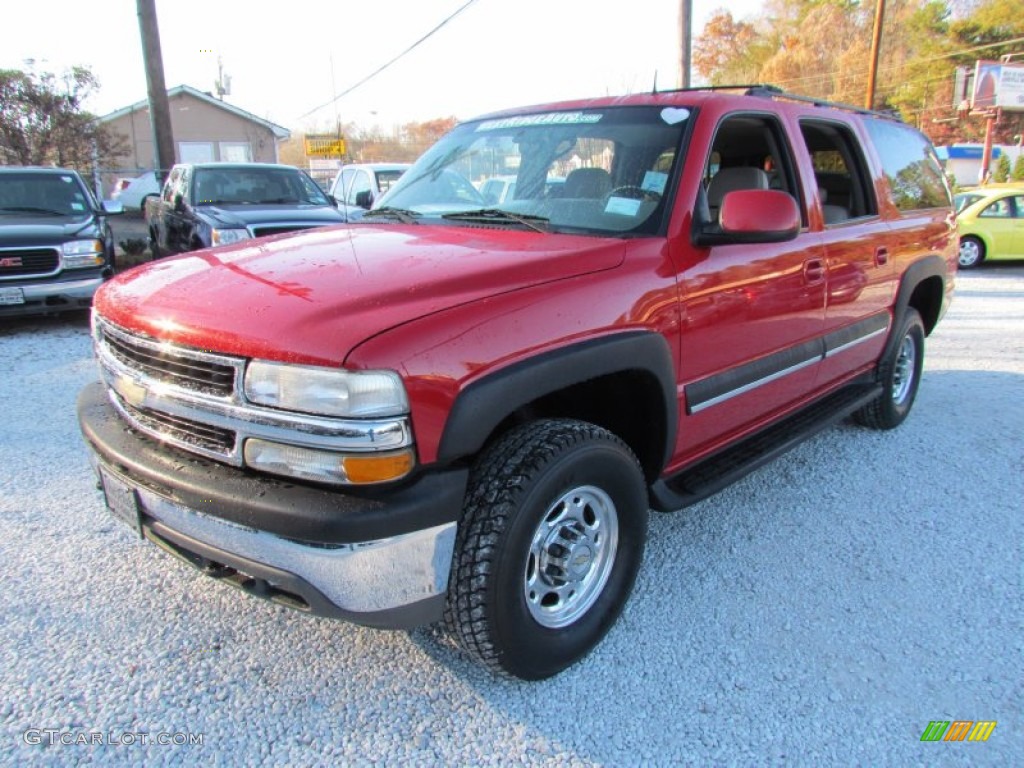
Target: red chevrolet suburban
{"points": [[461, 411]]}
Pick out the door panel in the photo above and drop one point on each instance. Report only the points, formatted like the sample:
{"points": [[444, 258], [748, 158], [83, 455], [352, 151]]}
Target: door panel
{"points": [[752, 321]]}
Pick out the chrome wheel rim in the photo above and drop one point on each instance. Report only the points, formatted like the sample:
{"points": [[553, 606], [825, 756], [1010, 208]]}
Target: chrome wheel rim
{"points": [[970, 253], [571, 556], [903, 371]]}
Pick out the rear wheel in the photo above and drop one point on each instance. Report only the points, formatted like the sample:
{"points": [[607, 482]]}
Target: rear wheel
{"points": [[972, 252], [900, 374], [550, 541]]}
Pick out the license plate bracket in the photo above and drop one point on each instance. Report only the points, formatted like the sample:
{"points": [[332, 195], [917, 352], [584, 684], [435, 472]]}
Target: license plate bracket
{"points": [[122, 500], [11, 295]]}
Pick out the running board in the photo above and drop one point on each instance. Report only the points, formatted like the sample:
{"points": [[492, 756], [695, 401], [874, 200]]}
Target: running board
{"points": [[708, 477]]}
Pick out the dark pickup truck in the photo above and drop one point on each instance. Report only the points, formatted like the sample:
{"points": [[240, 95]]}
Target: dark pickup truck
{"points": [[56, 247], [202, 205]]}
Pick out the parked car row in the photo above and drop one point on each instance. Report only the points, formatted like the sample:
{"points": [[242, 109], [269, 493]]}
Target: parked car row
{"points": [[56, 246]]}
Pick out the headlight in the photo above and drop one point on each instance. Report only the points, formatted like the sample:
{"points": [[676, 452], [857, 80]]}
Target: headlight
{"points": [[325, 391], [82, 253], [228, 236]]}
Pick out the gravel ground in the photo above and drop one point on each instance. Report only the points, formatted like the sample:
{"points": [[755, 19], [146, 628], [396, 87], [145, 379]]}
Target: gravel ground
{"points": [[822, 611]]}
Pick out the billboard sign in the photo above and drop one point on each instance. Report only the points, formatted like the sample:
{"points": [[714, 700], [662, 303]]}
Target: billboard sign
{"points": [[998, 84]]}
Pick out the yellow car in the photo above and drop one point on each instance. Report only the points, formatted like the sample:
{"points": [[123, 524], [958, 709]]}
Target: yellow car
{"points": [[991, 223]]}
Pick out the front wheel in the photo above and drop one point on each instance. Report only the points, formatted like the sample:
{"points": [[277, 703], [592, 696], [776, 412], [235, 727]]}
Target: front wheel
{"points": [[900, 374], [549, 545]]}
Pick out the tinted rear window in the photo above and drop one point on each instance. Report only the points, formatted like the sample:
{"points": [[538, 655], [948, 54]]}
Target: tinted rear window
{"points": [[910, 164]]}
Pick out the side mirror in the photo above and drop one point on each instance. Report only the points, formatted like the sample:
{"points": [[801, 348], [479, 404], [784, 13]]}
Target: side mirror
{"points": [[112, 207], [364, 199], [179, 203], [753, 216]]}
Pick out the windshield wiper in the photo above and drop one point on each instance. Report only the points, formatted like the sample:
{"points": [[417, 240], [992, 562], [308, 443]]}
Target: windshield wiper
{"points": [[33, 209], [498, 216], [402, 214]]}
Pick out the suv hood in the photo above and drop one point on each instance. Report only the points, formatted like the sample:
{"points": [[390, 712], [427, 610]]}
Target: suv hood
{"points": [[312, 297], [249, 215], [28, 230]]}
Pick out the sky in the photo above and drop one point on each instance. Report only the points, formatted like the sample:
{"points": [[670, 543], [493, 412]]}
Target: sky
{"points": [[286, 60]]}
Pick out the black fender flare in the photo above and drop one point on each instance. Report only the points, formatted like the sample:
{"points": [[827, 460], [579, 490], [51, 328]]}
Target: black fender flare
{"points": [[930, 266], [485, 403]]}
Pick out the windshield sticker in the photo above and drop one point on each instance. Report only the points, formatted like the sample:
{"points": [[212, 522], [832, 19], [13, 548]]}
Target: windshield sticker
{"points": [[548, 118], [624, 206], [67, 179], [77, 207], [654, 181], [673, 115]]}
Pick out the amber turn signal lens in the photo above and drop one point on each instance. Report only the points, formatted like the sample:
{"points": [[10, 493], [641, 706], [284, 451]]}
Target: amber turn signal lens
{"points": [[378, 468]]}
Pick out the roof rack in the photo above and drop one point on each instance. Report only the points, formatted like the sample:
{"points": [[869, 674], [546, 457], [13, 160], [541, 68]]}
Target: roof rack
{"points": [[774, 92], [769, 91]]}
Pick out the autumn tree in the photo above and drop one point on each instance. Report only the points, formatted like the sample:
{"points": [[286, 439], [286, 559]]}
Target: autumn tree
{"points": [[43, 121], [728, 51], [821, 48], [423, 135]]}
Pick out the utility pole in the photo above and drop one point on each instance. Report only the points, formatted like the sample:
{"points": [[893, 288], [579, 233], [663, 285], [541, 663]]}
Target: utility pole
{"points": [[159, 109], [876, 45], [685, 41]]}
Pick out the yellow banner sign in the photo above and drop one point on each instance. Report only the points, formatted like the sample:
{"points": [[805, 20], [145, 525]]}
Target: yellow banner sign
{"points": [[324, 146]]}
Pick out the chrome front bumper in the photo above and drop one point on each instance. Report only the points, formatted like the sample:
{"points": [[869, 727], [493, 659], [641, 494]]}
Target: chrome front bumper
{"points": [[394, 583]]}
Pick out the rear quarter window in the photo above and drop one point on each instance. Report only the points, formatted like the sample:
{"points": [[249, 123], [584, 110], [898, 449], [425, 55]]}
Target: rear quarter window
{"points": [[909, 162]]}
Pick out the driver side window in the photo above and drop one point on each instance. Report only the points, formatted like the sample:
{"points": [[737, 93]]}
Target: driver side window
{"points": [[749, 152]]}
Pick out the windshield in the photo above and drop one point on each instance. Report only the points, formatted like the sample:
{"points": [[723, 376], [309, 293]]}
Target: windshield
{"points": [[256, 186], [961, 201], [48, 194], [595, 171]]}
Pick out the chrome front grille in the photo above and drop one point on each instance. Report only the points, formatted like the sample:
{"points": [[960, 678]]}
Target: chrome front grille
{"points": [[181, 430], [170, 365], [193, 400]]}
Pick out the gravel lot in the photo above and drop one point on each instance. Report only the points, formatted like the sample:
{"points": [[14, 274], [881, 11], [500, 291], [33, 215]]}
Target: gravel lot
{"points": [[822, 611]]}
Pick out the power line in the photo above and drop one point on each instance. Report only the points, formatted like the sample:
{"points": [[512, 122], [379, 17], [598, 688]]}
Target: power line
{"points": [[910, 62], [392, 61]]}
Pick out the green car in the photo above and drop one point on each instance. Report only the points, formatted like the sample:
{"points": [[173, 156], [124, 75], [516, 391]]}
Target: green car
{"points": [[991, 223]]}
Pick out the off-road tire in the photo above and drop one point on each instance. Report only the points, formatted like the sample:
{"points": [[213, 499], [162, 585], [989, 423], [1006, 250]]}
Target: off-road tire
{"points": [[899, 374], [514, 489]]}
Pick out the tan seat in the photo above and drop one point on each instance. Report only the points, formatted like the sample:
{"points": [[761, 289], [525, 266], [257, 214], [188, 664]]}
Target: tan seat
{"points": [[733, 179]]}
